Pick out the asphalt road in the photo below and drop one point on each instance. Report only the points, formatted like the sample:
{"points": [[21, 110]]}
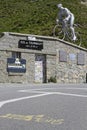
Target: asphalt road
{"points": [[43, 107]]}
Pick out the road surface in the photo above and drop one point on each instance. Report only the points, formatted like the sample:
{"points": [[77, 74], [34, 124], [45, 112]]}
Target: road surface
{"points": [[43, 107]]}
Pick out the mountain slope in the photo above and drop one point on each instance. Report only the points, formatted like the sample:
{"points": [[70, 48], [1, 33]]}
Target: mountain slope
{"points": [[38, 16]]}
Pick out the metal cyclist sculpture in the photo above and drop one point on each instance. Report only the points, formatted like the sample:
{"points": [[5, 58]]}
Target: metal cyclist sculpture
{"points": [[66, 19]]}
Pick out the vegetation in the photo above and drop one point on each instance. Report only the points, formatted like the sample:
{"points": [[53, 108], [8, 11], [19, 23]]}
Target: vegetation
{"points": [[52, 79], [38, 16]]}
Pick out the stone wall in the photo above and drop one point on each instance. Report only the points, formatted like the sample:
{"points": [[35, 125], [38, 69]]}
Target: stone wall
{"points": [[61, 60], [70, 71], [3, 66], [51, 66]]}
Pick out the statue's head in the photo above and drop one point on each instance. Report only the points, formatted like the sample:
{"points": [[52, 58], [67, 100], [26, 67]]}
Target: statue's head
{"points": [[59, 5]]}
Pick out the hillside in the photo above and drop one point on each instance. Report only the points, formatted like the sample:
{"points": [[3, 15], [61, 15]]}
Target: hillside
{"points": [[38, 16]]}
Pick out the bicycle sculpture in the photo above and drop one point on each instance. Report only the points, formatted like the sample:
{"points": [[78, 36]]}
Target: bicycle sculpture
{"points": [[65, 27]]}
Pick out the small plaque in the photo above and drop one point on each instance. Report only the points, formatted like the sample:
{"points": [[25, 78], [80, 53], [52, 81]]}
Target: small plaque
{"points": [[80, 58], [62, 56], [72, 56]]}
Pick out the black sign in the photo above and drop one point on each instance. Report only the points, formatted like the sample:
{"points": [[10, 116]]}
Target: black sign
{"points": [[29, 44]]}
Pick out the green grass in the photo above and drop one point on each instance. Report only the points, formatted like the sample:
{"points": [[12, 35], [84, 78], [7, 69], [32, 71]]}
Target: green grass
{"points": [[38, 16]]}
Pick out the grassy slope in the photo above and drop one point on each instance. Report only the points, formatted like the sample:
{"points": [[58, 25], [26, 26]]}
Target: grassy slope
{"points": [[38, 16]]}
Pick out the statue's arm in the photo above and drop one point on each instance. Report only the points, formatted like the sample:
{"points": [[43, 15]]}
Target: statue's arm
{"points": [[68, 14]]}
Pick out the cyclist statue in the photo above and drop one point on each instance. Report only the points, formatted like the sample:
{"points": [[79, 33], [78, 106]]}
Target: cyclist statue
{"points": [[66, 17]]}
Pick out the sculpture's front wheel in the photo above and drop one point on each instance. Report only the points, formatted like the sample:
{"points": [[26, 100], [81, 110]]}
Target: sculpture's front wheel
{"points": [[57, 32]]}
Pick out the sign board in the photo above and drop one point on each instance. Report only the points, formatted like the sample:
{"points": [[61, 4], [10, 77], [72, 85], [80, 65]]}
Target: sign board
{"points": [[30, 44], [72, 56], [81, 58], [16, 65], [62, 56], [38, 71]]}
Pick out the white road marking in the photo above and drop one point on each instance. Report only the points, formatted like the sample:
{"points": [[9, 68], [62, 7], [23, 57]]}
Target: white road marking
{"points": [[32, 91], [22, 98], [59, 93], [70, 94], [28, 90], [42, 93]]}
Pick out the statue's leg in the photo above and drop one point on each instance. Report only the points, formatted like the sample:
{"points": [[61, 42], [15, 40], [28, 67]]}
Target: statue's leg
{"points": [[72, 28]]}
